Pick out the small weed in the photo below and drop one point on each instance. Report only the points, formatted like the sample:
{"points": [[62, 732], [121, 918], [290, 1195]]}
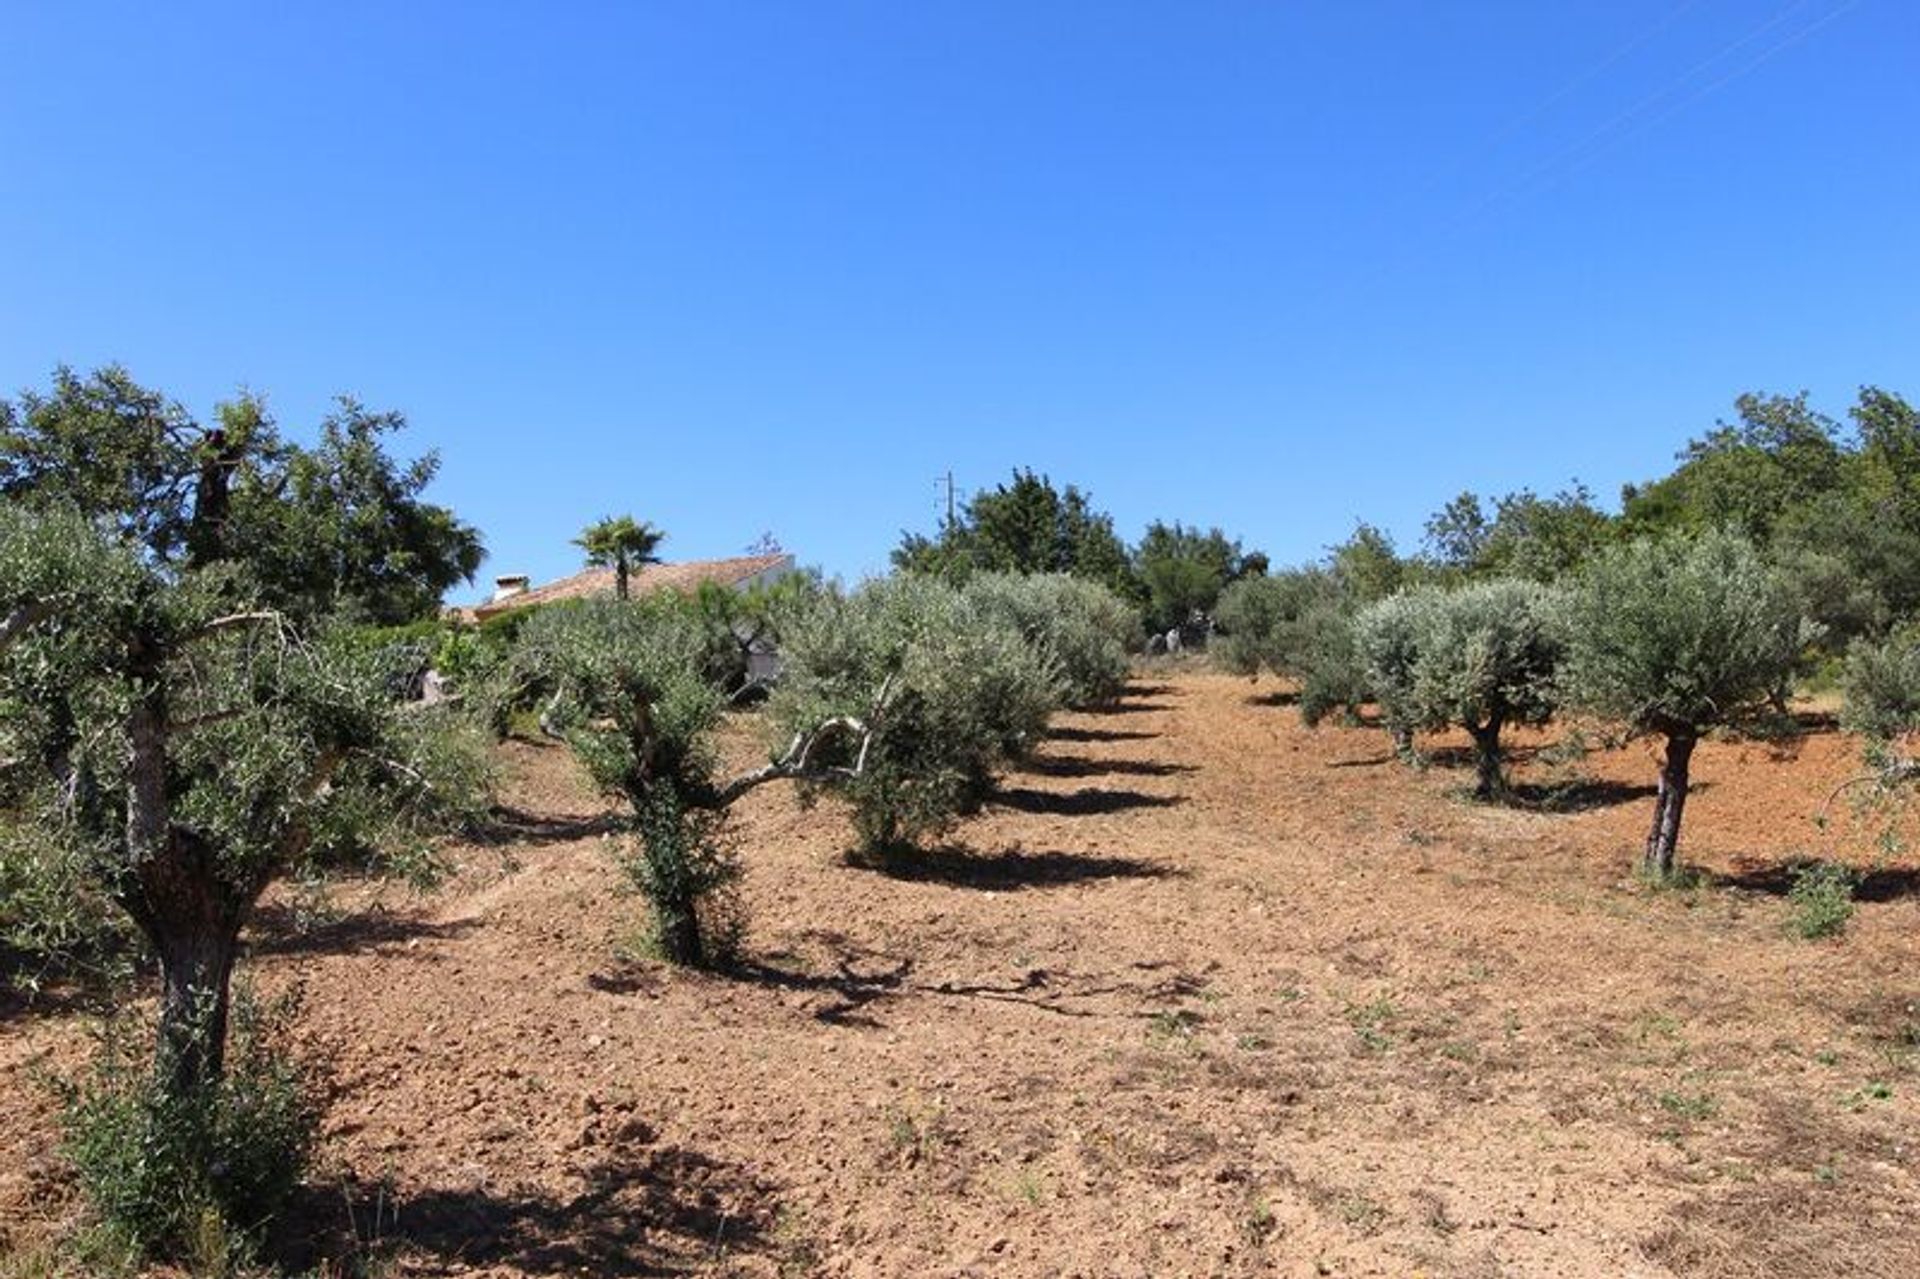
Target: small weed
{"points": [[1362, 1213], [1875, 1090], [1029, 1186], [1253, 1043], [795, 1252], [1687, 1104], [916, 1136], [1260, 1223], [1173, 1029], [1827, 1057], [1821, 900], [1371, 1021], [1827, 1174]]}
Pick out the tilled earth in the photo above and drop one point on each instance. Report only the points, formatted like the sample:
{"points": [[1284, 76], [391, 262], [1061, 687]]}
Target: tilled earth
{"points": [[1203, 993]]}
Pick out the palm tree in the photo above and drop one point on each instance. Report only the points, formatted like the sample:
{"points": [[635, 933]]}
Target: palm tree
{"points": [[620, 543]]}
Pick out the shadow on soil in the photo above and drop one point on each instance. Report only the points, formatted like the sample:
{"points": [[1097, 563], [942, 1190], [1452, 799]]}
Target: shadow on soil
{"points": [[277, 930], [646, 1210], [1013, 869], [508, 825], [1584, 796], [851, 990], [1776, 880], [1098, 735], [1078, 766], [1276, 697], [1089, 801]]}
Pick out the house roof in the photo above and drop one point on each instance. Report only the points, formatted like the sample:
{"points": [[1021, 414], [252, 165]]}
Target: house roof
{"points": [[687, 577]]}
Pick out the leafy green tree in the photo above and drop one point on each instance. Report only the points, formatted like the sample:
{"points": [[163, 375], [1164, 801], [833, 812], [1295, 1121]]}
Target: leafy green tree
{"points": [[339, 529], [621, 544], [1483, 658], [184, 747], [1082, 628], [1296, 624], [1386, 637], [1366, 566], [1676, 637], [1183, 570], [1541, 539], [945, 694], [1744, 475], [1026, 526]]}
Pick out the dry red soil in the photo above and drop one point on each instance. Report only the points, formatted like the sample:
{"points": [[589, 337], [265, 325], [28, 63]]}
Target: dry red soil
{"points": [[1204, 993]]}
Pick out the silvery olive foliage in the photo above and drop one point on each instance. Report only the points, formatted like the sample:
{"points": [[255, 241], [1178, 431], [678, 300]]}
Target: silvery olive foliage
{"points": [[950, 692]]}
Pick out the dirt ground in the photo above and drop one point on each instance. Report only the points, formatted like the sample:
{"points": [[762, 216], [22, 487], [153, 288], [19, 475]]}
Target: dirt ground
{"points": [[1204, 993]]}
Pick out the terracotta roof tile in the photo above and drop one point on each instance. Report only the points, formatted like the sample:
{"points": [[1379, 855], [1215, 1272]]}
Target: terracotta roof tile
{"points": [[687, 577]]}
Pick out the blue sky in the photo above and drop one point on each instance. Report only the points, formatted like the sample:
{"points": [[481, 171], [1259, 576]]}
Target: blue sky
{"points": [[747, 267]]}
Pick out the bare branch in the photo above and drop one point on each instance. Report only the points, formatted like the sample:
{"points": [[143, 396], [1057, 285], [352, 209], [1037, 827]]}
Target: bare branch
{"points": [[797, 764], [233, 621]]}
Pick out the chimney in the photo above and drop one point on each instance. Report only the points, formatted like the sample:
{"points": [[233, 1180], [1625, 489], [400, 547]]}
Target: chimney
{"points": [[505, 588]]}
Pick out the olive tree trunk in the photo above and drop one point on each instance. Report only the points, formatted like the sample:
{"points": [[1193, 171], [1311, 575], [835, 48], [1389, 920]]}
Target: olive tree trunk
{"points": [[179, 896], [1490, 781], [1663, 840]]}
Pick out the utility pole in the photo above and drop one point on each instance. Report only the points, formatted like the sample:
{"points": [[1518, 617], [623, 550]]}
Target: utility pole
{"points": [[947, 479]]}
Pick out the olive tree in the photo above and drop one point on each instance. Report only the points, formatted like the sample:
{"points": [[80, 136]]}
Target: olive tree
{"points": [[1676, 637], [1386, 637], [1482, 657], [947, 695], [1084, 628], [1298, 625], [184, 749]]}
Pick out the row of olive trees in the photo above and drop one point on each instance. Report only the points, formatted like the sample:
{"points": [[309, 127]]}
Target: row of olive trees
{"points": [[902, 697], [1671, 638]]}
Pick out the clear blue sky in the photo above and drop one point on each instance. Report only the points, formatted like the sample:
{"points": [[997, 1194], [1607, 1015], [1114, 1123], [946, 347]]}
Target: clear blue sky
{"points": [[742, 267]]}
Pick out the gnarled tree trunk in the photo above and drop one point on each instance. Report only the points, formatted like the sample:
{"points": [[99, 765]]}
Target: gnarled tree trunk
{"points": [[1490, 781], [1664, 839]]}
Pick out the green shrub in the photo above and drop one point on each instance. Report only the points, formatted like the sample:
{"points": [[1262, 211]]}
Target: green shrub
{"points": [[165, 1171], [55, 924], [949, 694], [1881, 683], [1296, 624], [1082, 626], [1821, 899], [634, 698]]}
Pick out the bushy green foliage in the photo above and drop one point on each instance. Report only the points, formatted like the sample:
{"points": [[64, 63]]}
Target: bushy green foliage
{"points": [[165, 1171], [1082, 627], [335, 529], [622, 544], [949, 694], [1181, 571], [1486, 659], [1821, 899], [1296, 624], [1679, 634], [1386, 636], [55, 922], [634, 697], [1882, 689], [1675, 637], [1025, 526]]}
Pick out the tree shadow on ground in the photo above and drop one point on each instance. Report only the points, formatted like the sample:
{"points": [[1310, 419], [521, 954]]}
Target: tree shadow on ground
{"points": [[851, 990], [506, 824], [1125, 707], [276, 929], [1775, 879], [646, 1209], [1079, 766], [1013, 869], [1371, 761], [1063, 734], [1277, 697], [1584, 795], [1088, 801]]}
